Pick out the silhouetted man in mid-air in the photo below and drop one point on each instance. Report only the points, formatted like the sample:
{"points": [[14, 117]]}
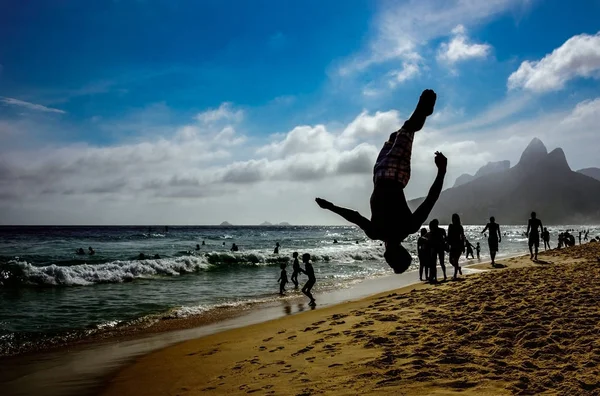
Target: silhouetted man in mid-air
{"points": [[391, 219], [533, 232]]}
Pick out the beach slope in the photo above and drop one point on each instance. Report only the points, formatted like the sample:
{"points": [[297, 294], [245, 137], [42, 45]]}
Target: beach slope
{"points": [[527, 328]]}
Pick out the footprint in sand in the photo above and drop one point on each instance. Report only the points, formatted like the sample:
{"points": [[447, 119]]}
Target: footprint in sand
{"points": [[279, 348], [310, 329], [318, 323], [291, 337], [267, 339], [303, 350]]}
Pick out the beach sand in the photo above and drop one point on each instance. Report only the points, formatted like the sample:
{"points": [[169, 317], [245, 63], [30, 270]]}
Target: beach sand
{"points": [[527, 328]]}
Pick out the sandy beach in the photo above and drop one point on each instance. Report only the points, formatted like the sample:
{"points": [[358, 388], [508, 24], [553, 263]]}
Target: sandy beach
{"points": [[527, 328]]}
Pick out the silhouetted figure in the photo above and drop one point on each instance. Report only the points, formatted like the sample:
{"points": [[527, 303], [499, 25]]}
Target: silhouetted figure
{"points": [[203, 243], [424, 253], [534, 226], [546, 238], [470, 248], [437, 242], [494, 239], [391, 219], [335, 241], [91, 251], [197, 247], [166, 228], [283, 279], [276, 251], [357, 242], [585, 237], [569, 239], [223, 243], [580, 233], [561, 240], [295, 269], [80, 252], [310, 272], [234, 247], [478, 250], [456, 241], [156, 257], [142, 256]]}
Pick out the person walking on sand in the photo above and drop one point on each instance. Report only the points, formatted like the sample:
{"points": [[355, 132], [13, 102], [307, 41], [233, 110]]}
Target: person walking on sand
{"points": [[546, 238], [456, 240], [310, 272], [391, 218], [295, 269], [494, 239], [424, 253], [283, 279], [478, 249], [534, 234], [437, 243], [470, 248]]}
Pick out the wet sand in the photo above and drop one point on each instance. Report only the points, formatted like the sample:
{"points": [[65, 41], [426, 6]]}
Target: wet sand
{"points": [[526, 328]]}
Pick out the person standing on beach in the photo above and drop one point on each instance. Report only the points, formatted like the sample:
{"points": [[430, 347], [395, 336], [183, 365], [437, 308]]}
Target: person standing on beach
{"points": [[494, 239], [391, 218], [470, 248], [276, 251], [437, 243], [424, 253], [478, 249], [310, 272], [456, 240], [546, 238], [283, 279], [534, 234], [295, 269]]}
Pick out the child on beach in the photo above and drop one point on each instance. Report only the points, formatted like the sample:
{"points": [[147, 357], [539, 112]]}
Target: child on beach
{"points": [[391, 218], [470, 247], [310, 272], [283, 279], [424, 253], [478, 249], [295, 269]]}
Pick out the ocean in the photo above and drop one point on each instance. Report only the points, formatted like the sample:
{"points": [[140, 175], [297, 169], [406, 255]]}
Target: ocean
{"points": [[47, 290]]}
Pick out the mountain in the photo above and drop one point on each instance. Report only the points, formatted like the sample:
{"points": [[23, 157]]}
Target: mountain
{"points": [[266, 223], [591, 172], [285, 223], [487, 169], [541, 182], [225, 223]]}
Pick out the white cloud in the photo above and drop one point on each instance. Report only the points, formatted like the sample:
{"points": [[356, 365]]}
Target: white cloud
{"points": [[401, 29], [409, 70], [224, 112], [366, 126], [578, 57], [459, 48], [30, 106]]}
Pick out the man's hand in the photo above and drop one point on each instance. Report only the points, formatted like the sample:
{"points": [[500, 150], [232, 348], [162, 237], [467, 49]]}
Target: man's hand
{"points": [[426, 103], [441, 161]]}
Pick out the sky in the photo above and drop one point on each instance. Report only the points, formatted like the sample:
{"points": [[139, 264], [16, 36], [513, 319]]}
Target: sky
{"points": [[198, 112]]}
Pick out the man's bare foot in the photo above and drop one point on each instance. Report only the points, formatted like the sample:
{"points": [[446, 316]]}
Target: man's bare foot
{"points": [[422, 111], [323, 203]]}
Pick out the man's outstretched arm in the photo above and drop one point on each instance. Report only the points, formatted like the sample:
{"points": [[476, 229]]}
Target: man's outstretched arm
{"points": [[423, 211], [350, 215]]}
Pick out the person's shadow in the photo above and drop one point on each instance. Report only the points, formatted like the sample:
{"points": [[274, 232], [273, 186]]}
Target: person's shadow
{"points": [[499, 265], [543, 262]]}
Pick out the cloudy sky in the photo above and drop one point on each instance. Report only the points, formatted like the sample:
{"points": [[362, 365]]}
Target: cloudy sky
{"points": [[196, 112]]}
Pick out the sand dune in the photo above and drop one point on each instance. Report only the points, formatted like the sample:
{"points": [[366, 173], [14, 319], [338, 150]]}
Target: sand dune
{"points": [[529, 328]]}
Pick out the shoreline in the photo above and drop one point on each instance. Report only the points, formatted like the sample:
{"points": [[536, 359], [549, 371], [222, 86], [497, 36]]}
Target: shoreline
{"points": [[85, 366], [237, 360]]}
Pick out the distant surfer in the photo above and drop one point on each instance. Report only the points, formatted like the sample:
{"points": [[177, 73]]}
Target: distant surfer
{"points": [[91, 251], [391, 218]]}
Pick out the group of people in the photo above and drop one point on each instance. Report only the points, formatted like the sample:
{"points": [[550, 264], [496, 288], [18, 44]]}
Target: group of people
{"points": [[308, 270], [81, 252]]}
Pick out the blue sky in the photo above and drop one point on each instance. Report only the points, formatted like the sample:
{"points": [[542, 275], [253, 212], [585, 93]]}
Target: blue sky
{"points": [[227, 85]]}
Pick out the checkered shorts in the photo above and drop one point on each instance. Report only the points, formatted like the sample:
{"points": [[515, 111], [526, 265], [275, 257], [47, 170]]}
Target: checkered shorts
{"points": [[393, 162]]}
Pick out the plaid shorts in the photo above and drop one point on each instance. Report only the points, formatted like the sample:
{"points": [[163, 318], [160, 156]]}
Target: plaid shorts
{"points": [[393, 162]]}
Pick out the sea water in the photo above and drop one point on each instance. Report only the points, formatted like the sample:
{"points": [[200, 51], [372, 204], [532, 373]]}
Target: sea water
{"points": [[46, 289]]}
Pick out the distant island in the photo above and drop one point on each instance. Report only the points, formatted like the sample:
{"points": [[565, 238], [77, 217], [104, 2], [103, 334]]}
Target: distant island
{"points": [[225, 223], [266, 223], [541, 181], [284, 224]]}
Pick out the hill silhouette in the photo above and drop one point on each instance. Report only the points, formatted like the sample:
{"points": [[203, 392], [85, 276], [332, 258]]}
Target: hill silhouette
{"points": [[541, 182], [487, 169], [591, 172]]}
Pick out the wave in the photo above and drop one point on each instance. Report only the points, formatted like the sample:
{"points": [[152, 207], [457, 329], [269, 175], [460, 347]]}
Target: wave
{"points": [[19, 272]]}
